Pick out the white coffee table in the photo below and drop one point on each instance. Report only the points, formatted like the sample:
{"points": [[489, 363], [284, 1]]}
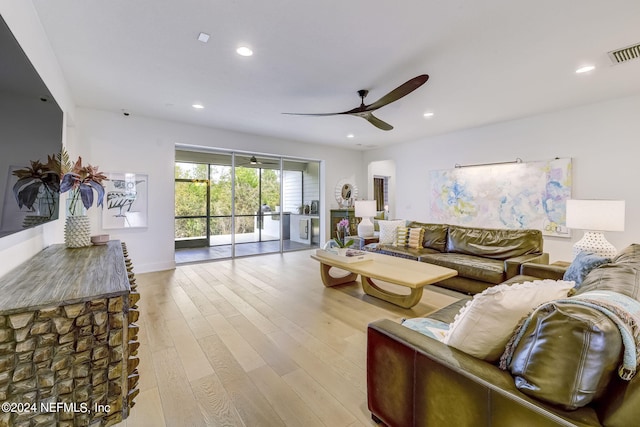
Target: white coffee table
{"points": [[414, 275]]}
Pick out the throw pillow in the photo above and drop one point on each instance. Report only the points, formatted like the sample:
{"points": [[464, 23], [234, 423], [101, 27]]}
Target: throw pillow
{"points": [[567, 354], [583, 263], [415, 237], [402, 236], [484, 325], [388, 230]]}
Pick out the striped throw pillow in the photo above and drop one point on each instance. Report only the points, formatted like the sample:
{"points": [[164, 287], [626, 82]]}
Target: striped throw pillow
{"points": [[415, 237], [402, 235]]}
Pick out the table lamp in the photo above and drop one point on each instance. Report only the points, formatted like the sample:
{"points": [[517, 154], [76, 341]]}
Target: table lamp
{"points": [[365, 209], [595, 216]]}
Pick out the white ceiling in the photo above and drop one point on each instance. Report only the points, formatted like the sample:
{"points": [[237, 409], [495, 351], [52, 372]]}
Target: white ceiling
{"points": [[488, 61]]}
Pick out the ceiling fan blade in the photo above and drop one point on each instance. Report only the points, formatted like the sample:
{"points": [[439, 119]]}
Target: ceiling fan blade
{"points": [[402, 90], [376, 121], [314, 114]]}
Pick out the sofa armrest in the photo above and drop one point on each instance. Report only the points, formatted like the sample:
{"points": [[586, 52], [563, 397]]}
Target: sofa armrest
{"points": [[543, 271], [411, 379], [449, 356], [512, 265]]}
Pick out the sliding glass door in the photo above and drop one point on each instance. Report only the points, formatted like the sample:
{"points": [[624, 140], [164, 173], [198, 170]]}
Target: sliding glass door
{"points": [[236, 204], [257, 204]]}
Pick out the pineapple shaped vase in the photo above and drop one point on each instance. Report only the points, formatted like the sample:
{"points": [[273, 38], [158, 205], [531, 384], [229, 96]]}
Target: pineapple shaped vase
{"points": [[77, 228]]}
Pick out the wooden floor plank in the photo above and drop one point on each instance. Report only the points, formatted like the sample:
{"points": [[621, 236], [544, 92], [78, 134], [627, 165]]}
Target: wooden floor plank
{"points": [[246, 356], [215, 405], [178, 401], [283, 398], [321, 402], [251, 405], [147, 412], [193, 360]]}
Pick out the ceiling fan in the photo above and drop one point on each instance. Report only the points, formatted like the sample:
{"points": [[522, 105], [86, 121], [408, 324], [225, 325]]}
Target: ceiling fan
{"points": [[255, 161], [366, 111]]}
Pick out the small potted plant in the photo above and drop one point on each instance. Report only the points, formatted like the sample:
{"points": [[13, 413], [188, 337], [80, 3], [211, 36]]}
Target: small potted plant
{"points": [[37, 187], [81, 181], [342, 234]]}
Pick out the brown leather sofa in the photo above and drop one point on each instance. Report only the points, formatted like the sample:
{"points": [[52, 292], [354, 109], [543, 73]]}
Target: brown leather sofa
{"points": [[483, 257], [414, 380]]}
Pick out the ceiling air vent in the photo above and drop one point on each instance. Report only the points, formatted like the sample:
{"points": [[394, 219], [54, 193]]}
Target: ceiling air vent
{"points": [[625, 54]]}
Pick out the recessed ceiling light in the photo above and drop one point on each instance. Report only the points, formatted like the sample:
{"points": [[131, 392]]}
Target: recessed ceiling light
{"points": [[198, 106], [244, 51], [203, 37], [585, 69], [428, 115], [351, 135]]}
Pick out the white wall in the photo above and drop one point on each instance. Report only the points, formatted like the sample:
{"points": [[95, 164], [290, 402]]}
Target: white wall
{"points": [[142, 145], [602, 140], [25, 25]]}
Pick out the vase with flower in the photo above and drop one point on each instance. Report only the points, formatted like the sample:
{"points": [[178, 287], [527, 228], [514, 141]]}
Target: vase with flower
{"points": [[81, 182], [37, 189], [342, 241]]}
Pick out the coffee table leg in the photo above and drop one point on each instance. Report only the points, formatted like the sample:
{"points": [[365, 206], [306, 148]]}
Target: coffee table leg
{"points": [[405, 301], [328, 280]]}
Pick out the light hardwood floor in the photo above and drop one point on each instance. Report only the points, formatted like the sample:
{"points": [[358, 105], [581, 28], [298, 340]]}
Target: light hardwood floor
{"points": [[256, 342]]}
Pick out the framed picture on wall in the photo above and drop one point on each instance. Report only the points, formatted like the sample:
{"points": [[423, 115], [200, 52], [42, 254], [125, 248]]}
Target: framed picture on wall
{"points": [[125, 201]]}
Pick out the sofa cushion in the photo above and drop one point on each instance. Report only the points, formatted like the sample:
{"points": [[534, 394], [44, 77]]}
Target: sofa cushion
{"points": [[388, 230], [567, 355], [630, 254], [583, 263], [493, 243], [469, 266], [622, 275], [485, 324], [403, 252], [435, 235]]}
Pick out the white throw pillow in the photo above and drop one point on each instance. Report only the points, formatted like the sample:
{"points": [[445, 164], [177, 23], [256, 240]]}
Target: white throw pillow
{"points": [[388, 231], [484, 325]]}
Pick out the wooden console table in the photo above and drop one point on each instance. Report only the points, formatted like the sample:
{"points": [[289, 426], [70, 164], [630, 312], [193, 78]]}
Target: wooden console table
{"points": [[68, 338]]}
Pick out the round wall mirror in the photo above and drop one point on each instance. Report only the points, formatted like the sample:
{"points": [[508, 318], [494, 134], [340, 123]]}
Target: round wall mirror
{"points": [[346, 192]]}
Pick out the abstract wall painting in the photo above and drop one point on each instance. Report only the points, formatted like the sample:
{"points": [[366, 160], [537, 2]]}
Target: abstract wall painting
{"points": [[516, 195], [125, 201]]}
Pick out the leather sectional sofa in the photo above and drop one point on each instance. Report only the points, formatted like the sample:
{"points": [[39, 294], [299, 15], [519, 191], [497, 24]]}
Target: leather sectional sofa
{"points": [[483, 257], [415, 380]]}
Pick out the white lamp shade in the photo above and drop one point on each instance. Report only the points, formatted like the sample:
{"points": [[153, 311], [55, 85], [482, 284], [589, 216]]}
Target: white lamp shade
{"points": [[596, 215], [365, 208]]}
